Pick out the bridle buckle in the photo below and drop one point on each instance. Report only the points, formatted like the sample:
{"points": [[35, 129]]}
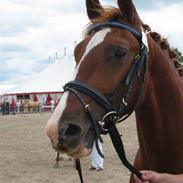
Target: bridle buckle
{"points": [[104, 123]]}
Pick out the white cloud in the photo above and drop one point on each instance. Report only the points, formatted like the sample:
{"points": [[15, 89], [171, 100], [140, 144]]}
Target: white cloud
{"points": [[167, 21], [5, 87], [31, 31], [16, 64]]}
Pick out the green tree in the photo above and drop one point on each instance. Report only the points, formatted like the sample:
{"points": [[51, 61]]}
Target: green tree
{"points": [[179, 55]]}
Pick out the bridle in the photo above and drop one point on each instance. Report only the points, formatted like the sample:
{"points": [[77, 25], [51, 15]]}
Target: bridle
{"points": [[107, 124], [113, 114]]}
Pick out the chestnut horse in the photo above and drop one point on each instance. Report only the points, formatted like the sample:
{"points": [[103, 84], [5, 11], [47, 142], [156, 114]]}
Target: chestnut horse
{"points": [[122, 67]]}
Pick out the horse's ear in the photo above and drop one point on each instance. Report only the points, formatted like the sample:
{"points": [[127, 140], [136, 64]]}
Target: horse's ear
{"points": [[92, 6], [129, 12]]}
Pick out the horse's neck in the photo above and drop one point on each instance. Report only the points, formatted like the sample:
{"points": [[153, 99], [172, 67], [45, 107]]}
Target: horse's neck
{"points": [[160, 117]]}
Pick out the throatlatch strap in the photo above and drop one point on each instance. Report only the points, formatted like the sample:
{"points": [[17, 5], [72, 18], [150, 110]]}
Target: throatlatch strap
{"points": [[118, 145], [78, 168]]}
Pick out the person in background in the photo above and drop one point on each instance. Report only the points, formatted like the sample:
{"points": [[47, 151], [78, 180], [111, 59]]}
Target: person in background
{"points": [[52, 105], [3, 108], [22, 106], [97, 162], [0, 107], [155, 177], [13, 107], [7, 107], [18, 104]]}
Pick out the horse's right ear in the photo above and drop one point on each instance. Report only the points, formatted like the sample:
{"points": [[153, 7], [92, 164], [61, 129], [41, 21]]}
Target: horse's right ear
{"points": [[92, 6], [129, 12]]}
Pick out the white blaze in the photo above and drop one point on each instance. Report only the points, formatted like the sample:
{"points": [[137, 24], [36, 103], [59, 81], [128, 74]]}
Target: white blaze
{"points": [[51, 127], [95, 41], [60, 108]]}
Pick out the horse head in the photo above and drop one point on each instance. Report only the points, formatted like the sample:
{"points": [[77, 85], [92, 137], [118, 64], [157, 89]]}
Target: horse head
{"points": [[110, 67]]}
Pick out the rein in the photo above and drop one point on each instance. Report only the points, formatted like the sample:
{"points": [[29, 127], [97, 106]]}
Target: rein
{"points": [[113, 115]]}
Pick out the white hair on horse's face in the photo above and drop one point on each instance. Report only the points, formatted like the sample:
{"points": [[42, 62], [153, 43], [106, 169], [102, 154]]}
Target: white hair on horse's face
{"points": [[97, 39], [60, 108], [52, 125]]}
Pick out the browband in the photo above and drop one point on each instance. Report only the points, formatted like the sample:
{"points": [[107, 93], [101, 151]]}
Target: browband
{"points": [[97, 26]]}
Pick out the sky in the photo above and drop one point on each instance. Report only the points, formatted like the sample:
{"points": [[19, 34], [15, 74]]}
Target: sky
{"points": [[33, 31]]}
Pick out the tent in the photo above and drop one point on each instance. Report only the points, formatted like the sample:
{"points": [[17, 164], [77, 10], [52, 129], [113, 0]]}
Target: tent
{"points": [[46, 85]]}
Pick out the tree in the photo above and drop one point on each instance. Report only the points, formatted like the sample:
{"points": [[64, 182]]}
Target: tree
{"points": [[179, 55]]}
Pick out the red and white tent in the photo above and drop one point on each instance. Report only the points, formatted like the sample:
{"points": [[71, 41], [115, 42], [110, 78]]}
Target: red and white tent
{"points": [[46, 85]]}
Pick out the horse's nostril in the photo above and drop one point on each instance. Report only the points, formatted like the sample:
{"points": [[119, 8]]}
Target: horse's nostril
{"points": [[73, 130], [63, 131], [69, 132]]}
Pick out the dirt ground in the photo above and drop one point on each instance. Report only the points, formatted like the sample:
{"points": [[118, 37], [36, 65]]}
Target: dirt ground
{"points": [[26, 155]]}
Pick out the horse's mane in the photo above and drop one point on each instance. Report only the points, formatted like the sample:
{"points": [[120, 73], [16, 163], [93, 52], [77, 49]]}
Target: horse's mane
{"points": [[107, 14], [114, 14], [164, 45]]}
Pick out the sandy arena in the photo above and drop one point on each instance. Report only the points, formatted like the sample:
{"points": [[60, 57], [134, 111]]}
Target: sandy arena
{"points": [[26, 155]]}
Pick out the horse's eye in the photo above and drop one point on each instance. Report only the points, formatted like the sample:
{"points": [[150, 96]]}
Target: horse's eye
{"points": [[119, 53]]}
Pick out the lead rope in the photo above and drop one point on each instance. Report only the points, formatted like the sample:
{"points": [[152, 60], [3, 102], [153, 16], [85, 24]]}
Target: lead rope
{"points": [[78, 168], [115, 137], [119, 147]]}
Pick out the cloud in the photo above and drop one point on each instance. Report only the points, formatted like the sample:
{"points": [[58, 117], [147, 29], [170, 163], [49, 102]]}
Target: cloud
{"points": [[16, 18], [15, 64], [163, 16], [166, 23], [144, 4], [154, 5], [31, 31]]}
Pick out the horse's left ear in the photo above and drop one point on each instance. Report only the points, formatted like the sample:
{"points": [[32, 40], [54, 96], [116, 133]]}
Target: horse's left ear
{"points": [[92, 6], [129, 12]]}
